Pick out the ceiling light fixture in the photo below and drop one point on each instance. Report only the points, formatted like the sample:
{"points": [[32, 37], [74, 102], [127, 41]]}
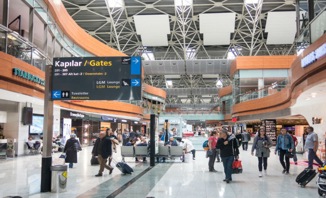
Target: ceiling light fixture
{"points": [[219, 83], [313, 95], [169, 84]]}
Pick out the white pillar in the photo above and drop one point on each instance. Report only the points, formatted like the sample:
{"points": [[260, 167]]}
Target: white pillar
{"points": [[261, 85]]}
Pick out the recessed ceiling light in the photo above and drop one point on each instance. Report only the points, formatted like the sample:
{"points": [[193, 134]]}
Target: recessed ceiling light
{"points": [[308, 99], [313, 95]]}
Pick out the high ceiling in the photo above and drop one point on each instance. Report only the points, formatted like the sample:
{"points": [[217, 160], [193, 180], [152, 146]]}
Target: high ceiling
{"points": [[172, 37]]}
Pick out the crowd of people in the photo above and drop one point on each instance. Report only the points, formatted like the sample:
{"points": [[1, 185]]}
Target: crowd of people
{"points": [[222, 146], [225, 145]]}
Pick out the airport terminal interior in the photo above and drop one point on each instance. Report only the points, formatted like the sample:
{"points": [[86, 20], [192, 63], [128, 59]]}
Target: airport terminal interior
{"points": [[153, 81]]}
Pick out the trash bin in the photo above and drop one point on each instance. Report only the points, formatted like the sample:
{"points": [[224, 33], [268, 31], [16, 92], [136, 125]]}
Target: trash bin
{"points": [[59, 178]]}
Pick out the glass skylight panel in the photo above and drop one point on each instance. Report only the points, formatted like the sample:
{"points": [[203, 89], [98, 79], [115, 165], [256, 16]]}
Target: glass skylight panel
{"points": [[148, 56], [114, 3], [231, 56], [251, 1], [182, 2]]}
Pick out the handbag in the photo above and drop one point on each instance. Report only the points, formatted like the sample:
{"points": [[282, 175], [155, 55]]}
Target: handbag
{"points": [[63, 155], [237, 167], [289, 155], [209, 153]]}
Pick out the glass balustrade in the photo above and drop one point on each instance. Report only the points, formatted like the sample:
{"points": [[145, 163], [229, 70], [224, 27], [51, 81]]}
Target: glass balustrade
{"points": [[267, 91]]}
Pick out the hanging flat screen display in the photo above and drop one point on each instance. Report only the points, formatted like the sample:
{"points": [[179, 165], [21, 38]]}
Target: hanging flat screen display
{"points": [[36, 128]]}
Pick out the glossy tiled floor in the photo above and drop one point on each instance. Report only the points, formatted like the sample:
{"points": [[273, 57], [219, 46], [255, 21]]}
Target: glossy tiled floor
{"points": [[21, 177]]}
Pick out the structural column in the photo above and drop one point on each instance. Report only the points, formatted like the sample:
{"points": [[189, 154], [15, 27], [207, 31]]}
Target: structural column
{"points": [[5, 18], [261, 85], [47, 134]]}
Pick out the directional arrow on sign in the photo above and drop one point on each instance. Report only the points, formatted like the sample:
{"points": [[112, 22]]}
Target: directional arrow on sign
{"points": [[135, 82], [56, 94], [135, 60]]}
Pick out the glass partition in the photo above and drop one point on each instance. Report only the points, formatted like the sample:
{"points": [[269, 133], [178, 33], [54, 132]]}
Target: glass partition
{"points": [[266, 91]]}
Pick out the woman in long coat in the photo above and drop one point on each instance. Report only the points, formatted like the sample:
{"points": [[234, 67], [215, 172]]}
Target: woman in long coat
{"points": [[71, 148], [262, 144]]}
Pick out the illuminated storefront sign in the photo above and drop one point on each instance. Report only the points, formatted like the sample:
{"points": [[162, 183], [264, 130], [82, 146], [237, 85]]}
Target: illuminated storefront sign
{"points": [[28, 76], [313, 56]]}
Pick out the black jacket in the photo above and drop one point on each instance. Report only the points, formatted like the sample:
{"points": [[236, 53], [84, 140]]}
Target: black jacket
{"points": [[71, 148], [231, 149], [106, 150]]}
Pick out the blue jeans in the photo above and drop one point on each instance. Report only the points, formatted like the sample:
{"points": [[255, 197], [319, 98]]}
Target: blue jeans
{"points": [[71, 165], [311, 157], [227, 163]]}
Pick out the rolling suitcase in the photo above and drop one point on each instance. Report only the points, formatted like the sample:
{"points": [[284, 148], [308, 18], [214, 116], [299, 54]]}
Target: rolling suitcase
{"points": [[124, 168], [305, 177]]}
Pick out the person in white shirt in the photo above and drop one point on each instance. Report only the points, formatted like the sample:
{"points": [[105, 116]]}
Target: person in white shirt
{"points": [[188, 147]]}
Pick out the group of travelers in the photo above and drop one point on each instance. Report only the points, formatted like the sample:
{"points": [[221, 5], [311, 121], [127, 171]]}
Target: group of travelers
{"points": [[224, 144]]}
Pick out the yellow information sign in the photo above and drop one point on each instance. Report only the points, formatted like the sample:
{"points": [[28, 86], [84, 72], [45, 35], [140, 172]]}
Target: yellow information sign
{"points": [[65, 174]]}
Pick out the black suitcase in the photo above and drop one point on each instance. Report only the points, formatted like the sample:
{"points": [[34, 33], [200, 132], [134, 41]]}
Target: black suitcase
{"points": [[305, 177], [94, 160], [124, 168]]}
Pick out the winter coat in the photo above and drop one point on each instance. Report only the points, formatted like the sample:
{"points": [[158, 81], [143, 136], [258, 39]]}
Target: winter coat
{"points": [[231, 149], [245, 137], [262, 145], [71, 148], [106, 150]]}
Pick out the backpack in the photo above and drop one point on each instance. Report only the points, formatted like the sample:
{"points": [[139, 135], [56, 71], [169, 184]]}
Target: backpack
{"points": [[205, 144], [232, 136]]}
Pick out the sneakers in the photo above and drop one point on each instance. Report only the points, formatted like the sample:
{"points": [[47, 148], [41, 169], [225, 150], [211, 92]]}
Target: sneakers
{"points": [[99, 175], [287, 172], [284, 171], [260, 174]]}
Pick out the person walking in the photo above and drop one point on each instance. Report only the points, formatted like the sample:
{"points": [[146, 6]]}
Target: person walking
{"points": [[262, 144], [103, 149], [218, 152], [71, 148], [294, 152], [229, 151], [311, 145], [245, 139], [284, 145], [212, 140]]}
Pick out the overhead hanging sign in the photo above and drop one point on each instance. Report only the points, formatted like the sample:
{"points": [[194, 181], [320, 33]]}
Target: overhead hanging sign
{"points": [[96, 78]]}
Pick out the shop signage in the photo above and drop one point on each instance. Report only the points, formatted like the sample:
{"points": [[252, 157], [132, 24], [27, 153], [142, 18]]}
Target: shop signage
{"points": [[313, 56], [270, 128], [107, 118], [28, 76], [97, 78], [77, 115]]}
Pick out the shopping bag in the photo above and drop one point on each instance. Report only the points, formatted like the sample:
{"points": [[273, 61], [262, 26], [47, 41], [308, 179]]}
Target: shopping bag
{"points": [[236, 167]]}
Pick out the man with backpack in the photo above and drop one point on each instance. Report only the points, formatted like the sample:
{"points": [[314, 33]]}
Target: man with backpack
{"points": [[245, 139]]}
